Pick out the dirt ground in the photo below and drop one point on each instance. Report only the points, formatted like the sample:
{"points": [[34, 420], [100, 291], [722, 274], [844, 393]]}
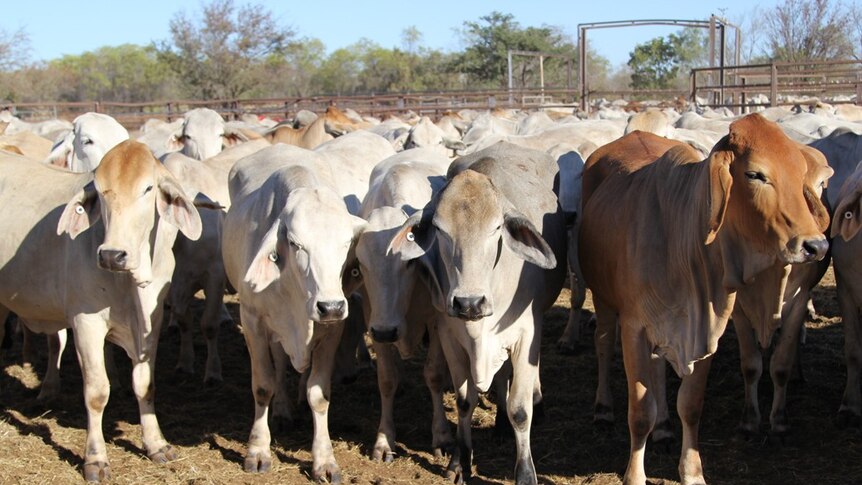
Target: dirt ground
{"points": [[43, 444]]}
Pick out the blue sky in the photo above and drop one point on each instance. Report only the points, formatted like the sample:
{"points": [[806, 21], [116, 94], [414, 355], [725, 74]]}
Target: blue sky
{"points": [[56, 28]]}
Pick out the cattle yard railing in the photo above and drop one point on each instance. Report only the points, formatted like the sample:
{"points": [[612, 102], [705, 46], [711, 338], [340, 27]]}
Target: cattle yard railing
{"points": [[132, 115], [777, 84]]}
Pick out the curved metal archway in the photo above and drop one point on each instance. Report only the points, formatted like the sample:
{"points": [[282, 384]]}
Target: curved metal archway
{"points": [[714, 24]]}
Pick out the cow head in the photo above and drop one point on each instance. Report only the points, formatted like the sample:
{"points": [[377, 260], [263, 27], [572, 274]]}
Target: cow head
{"points": [[306, 248], [129, 188], [92, 135], [471, 225], [767, 199], [389, 281], [204, 134]]}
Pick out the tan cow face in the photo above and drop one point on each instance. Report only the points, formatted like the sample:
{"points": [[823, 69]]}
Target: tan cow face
{"points": [[130, 186], [306, 250], [470, 226], [388, 280], [772, 204]]}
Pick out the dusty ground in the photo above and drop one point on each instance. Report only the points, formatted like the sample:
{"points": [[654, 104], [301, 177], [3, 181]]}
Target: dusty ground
{"points": [[44, 444]]}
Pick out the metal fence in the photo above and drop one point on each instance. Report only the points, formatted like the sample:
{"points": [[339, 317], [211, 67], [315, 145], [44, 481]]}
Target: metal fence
{"points": [[736, 87], [132, 115], [776, 84]]}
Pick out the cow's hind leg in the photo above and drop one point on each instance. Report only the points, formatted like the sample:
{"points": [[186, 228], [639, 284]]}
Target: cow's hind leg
{"points": [[436, 373], [850, 412], [605, 341], [211, 320], [51, 384]]}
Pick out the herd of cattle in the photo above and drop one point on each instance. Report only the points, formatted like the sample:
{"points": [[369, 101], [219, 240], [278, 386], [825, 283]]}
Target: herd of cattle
{"points": [[456, 236]]}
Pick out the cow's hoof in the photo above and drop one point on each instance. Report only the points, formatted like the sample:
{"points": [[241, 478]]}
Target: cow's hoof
{"points": [[848, 419], [382, 453], [455, 474], [328, 472], [777, 438], [525, 474], [257, 463], [164, 455], [213, 381], [97, 471]]}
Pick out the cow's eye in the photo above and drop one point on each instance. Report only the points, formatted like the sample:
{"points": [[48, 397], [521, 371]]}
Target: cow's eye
{"points": [[756, 176], [295, 245], [87, 141], [148, 189]]}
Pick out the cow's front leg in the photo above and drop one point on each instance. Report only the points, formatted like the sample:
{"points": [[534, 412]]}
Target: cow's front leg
{"points": [[387, 385], [90, 332], [782, 362], [689, 405], [258, 457], [460, 465], [144, 387], [318, 388], [751, 362], [641, 399], [525, 373]]}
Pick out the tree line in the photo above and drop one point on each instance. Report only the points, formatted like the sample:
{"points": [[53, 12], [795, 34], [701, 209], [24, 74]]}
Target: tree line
{"points": [[230, 51]]}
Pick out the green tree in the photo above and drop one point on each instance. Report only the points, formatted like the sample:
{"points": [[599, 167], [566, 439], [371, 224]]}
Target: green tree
{"points": [[220, 54], [485, 59], [658, 63], [125, 73]]}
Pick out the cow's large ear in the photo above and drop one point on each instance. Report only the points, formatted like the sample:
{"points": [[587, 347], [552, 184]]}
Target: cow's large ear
{"points": [[176, 141], [848, 214], [234, 136], [720, 182], [415, 237], [819, 172], [522, 238], [176, 208], [61, 152], [81, 212], [267, 263]]}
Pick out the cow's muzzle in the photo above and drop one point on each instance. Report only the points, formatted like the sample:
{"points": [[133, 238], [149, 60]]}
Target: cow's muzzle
{"points": [[385, 335], [113, 259], [331, 311], [470, 307], [805, 249]]}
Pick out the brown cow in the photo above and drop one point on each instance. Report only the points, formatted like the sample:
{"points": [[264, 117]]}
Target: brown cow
{"points": [[333, 123], [665, 245]]}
